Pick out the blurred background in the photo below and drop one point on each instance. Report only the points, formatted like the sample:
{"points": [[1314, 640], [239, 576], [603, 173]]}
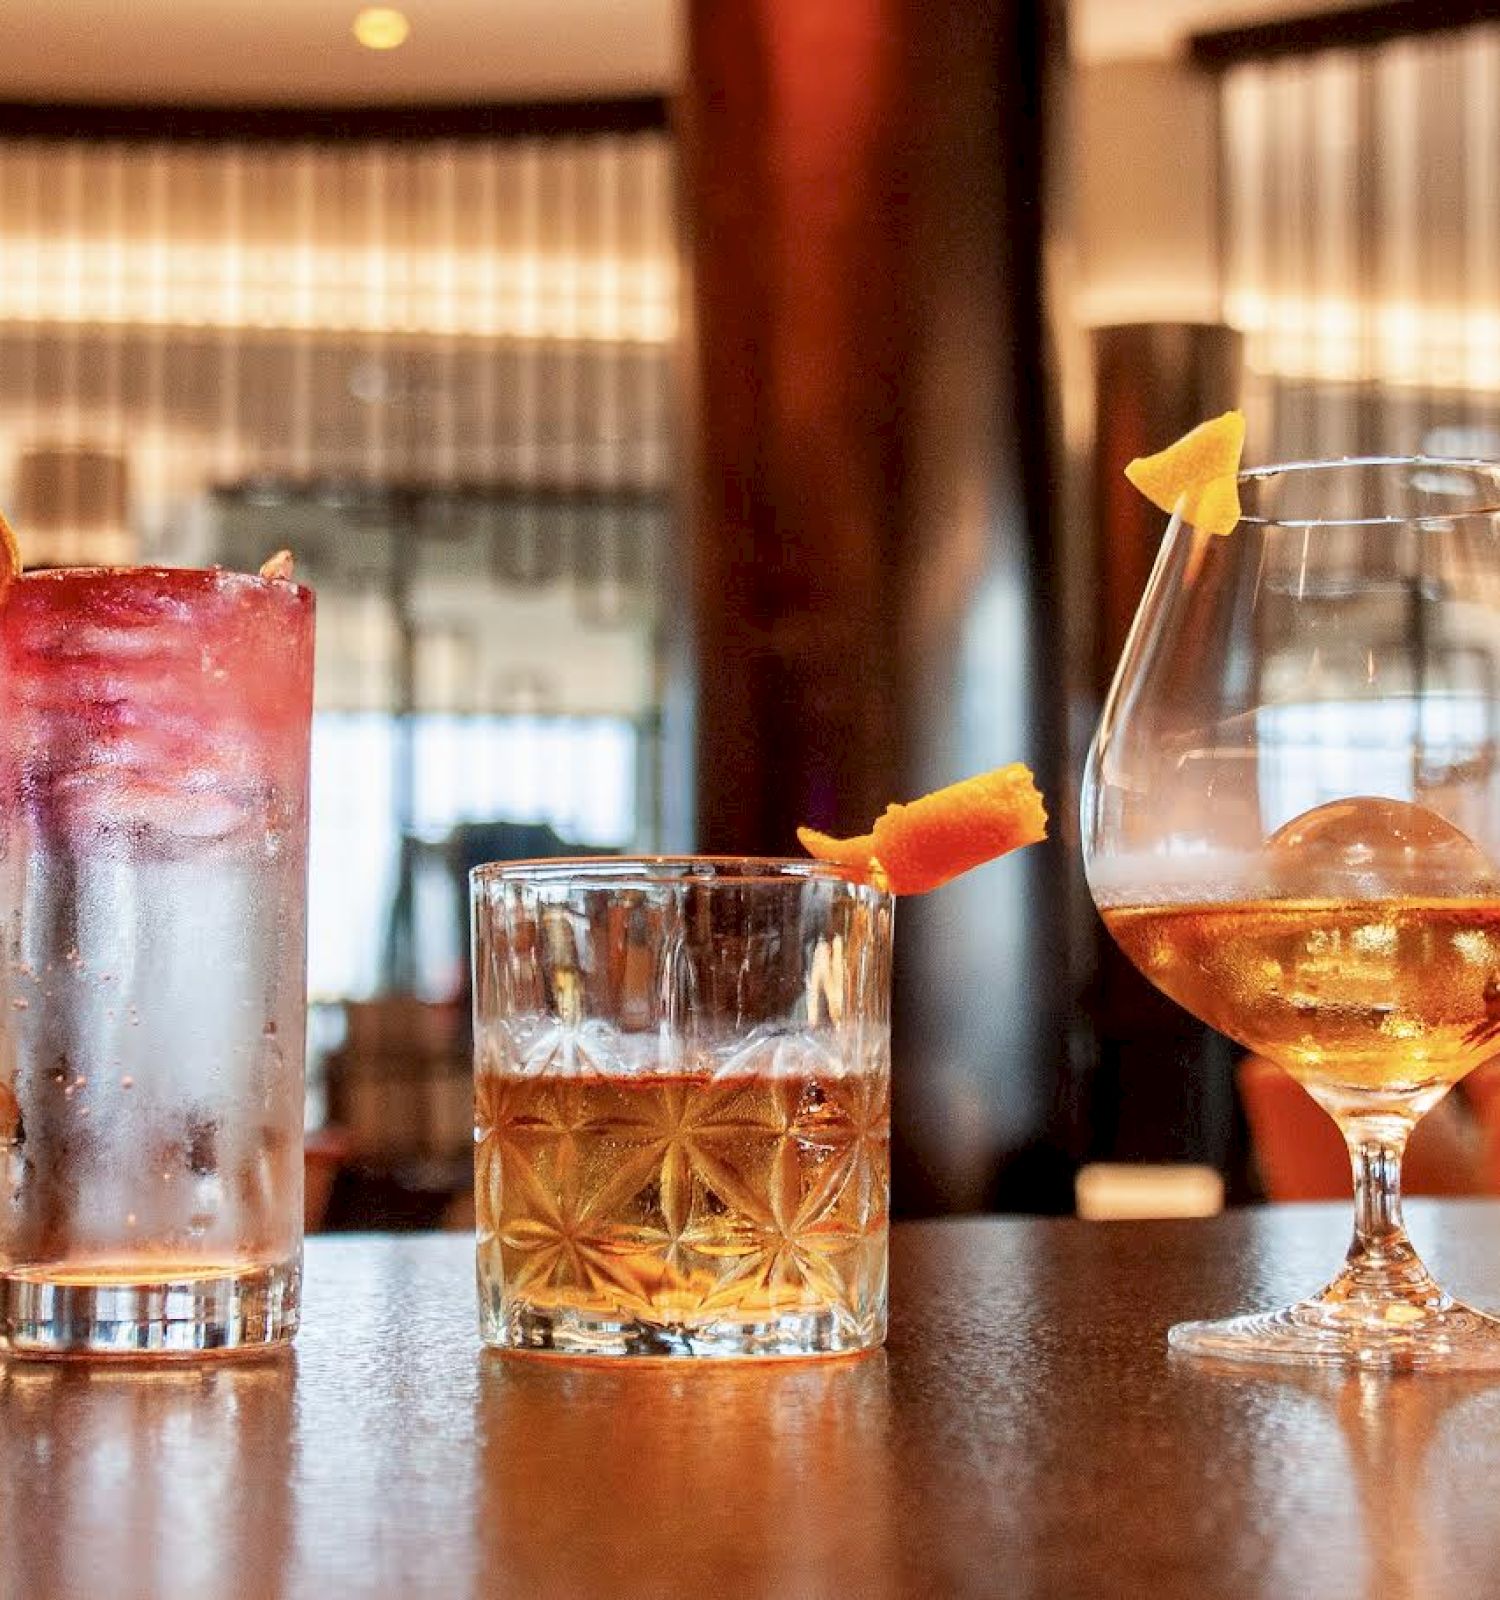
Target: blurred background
{"points": [[703, 416]]}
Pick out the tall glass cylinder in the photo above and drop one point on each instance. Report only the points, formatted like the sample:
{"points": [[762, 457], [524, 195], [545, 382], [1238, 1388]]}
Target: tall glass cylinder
{"points": [[682, 1107], [154, 731]]}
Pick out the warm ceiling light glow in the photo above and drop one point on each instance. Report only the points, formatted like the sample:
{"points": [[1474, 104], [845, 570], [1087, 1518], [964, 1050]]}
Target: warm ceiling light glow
{"points": [[381, 28]]}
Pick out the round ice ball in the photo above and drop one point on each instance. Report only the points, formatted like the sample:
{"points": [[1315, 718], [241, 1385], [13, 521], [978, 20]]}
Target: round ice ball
{"points": [[1368, 847]]}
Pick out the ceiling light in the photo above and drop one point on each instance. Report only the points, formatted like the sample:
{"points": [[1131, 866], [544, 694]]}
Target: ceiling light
{"points": [[381, 28]]}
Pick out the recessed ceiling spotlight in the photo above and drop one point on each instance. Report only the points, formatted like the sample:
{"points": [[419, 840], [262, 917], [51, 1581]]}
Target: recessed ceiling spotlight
{"points": [[381, 28]]}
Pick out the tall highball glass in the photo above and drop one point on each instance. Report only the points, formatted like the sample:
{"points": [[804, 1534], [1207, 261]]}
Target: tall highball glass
{"points": [[153, 861], [1291, 821]]}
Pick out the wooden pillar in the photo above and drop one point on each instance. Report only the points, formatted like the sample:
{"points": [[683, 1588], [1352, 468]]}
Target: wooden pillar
{"points": [[797, 269], [1163, 1083], [870, 472]]}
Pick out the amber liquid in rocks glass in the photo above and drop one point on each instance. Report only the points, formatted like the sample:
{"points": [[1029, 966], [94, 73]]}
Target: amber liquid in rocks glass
{"points": [[682, 1110]]}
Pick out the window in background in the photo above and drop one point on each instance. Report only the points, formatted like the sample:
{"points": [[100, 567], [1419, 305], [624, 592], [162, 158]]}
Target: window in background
{"points": [[439, 372], [576, 775], [1361, 229], [487, 687]]}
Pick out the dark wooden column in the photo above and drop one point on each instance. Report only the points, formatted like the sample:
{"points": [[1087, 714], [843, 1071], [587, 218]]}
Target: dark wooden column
{"points": [[799, 277], [872, 560], [1162, 1087]]}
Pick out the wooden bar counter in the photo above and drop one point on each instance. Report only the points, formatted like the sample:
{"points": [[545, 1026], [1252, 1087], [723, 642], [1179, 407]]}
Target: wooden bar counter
{"points": [[1023, 1434]]}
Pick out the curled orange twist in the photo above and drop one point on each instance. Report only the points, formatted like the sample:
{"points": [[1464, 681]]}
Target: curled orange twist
{"points": [[916, 847]]}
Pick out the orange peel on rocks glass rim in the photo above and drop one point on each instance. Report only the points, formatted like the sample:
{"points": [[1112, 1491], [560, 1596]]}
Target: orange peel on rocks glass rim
{"points": [[917, 847], [1198, 477]]}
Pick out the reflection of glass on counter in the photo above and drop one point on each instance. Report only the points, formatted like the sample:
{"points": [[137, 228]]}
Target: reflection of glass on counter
{"points": [[175, 1479], [771, 1467], [1406, 1463]]}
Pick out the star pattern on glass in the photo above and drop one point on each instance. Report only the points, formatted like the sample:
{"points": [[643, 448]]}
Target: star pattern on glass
{"points": [[682, 1197]]}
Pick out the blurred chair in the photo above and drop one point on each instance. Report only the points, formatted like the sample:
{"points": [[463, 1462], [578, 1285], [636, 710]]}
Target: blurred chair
{"points": [[401, 1089], [324, 1153], [401, 1084], [1455, 1149]]}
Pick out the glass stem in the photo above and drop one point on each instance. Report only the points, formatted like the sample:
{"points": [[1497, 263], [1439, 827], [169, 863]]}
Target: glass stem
{"points": [[1382, 1263]]}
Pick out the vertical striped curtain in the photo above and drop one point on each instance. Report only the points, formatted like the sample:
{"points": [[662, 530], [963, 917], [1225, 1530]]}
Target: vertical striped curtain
{"points": [[1361, 246], [499, 311]]}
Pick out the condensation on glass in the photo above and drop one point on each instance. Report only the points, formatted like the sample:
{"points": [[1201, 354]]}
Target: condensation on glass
{"points": [[153, 859]]}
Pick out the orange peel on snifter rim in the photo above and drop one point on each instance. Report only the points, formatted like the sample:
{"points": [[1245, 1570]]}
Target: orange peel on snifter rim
{"points": [[921, 846], [1198, 477]]}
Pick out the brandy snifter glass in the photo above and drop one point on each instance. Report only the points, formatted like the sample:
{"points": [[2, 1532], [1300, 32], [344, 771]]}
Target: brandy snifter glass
{"points": [[1291, 824]]}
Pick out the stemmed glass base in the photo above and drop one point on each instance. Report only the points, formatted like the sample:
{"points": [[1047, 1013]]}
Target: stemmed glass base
{"points": [[1397, 1336], [1384, 1312]]}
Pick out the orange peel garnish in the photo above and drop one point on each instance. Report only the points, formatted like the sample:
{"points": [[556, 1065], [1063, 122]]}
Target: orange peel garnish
{"points": [[10, 555], [1198, 476], [921, 846], [280, 566]]}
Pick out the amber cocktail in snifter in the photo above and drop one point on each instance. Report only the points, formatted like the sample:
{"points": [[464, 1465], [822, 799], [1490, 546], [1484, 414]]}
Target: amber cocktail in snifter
{"points": [[1291, 823], [153, 855]]}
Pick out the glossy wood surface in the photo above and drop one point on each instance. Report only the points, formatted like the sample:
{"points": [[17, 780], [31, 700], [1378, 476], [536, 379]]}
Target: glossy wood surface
{"points": [[1023, 1434]]}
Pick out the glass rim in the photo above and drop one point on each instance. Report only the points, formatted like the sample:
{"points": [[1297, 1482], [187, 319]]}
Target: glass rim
{"points": [[227, 576], [648, 870], [1474, 465]]}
